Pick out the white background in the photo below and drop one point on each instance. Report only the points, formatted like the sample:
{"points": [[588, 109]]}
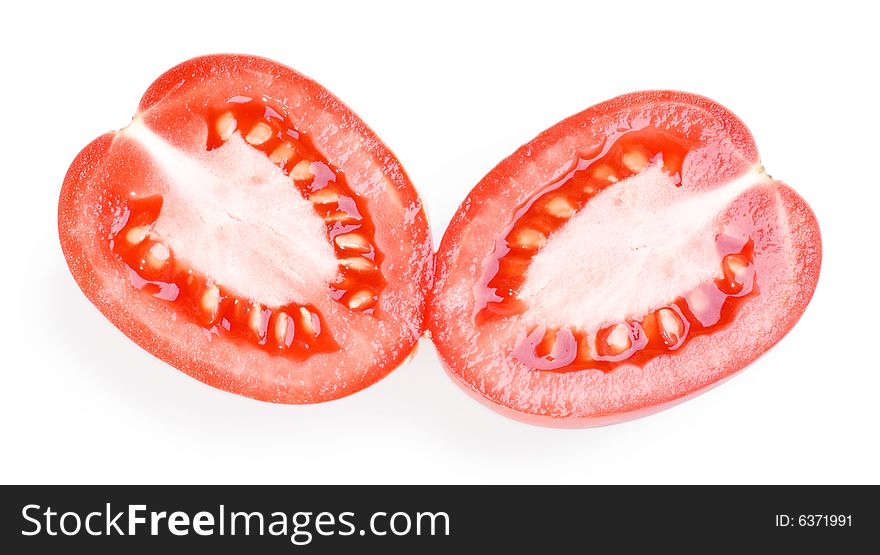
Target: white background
{"points": [[452, 89]]}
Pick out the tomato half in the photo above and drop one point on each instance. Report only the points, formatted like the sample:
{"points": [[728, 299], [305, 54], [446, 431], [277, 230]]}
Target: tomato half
{"points": [[249, 229], [628, 257]]}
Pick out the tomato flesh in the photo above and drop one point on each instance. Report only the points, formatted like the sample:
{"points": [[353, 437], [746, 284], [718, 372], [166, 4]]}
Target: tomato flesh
{"points": [[627, 258]]}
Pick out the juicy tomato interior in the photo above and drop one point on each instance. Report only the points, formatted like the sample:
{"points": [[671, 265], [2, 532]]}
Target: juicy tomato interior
{"points": [[295, 330], [640, 338], [618, 158]]}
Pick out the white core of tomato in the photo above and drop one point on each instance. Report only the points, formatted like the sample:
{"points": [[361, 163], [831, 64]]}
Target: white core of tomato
{"points": [[634, 247], [231, 214]]}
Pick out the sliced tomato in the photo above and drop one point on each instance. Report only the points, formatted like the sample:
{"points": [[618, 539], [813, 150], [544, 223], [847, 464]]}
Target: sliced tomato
{"points": [[628, 257], [249, 229]]}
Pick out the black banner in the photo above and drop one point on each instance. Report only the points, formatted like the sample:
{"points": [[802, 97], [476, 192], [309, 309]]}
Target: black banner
{"points": [[413, 519]]}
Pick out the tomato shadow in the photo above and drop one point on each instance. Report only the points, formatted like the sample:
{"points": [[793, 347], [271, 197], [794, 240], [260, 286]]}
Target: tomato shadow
{"points": [[423, 401], [414, 415], [106, 359]]}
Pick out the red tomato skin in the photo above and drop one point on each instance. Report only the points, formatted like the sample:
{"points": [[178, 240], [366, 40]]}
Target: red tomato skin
{"points": [[547, 400], [225, 364]]}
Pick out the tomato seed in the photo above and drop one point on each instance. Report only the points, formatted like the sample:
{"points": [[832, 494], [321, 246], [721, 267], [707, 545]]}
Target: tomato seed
{"points": [[362, 300], [618, 340], [324, 196], [352, 242], [636, 159], [282, 154], [210, 302], [225, 125], [603, 172], [136, 235], [156, 257], [259, 134], [560, 207], [736, 270], [340, 217], [282, 323], [358, 264], [309, 322], [302, 171], [530, 239], [255, 321], [671, 327]]}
